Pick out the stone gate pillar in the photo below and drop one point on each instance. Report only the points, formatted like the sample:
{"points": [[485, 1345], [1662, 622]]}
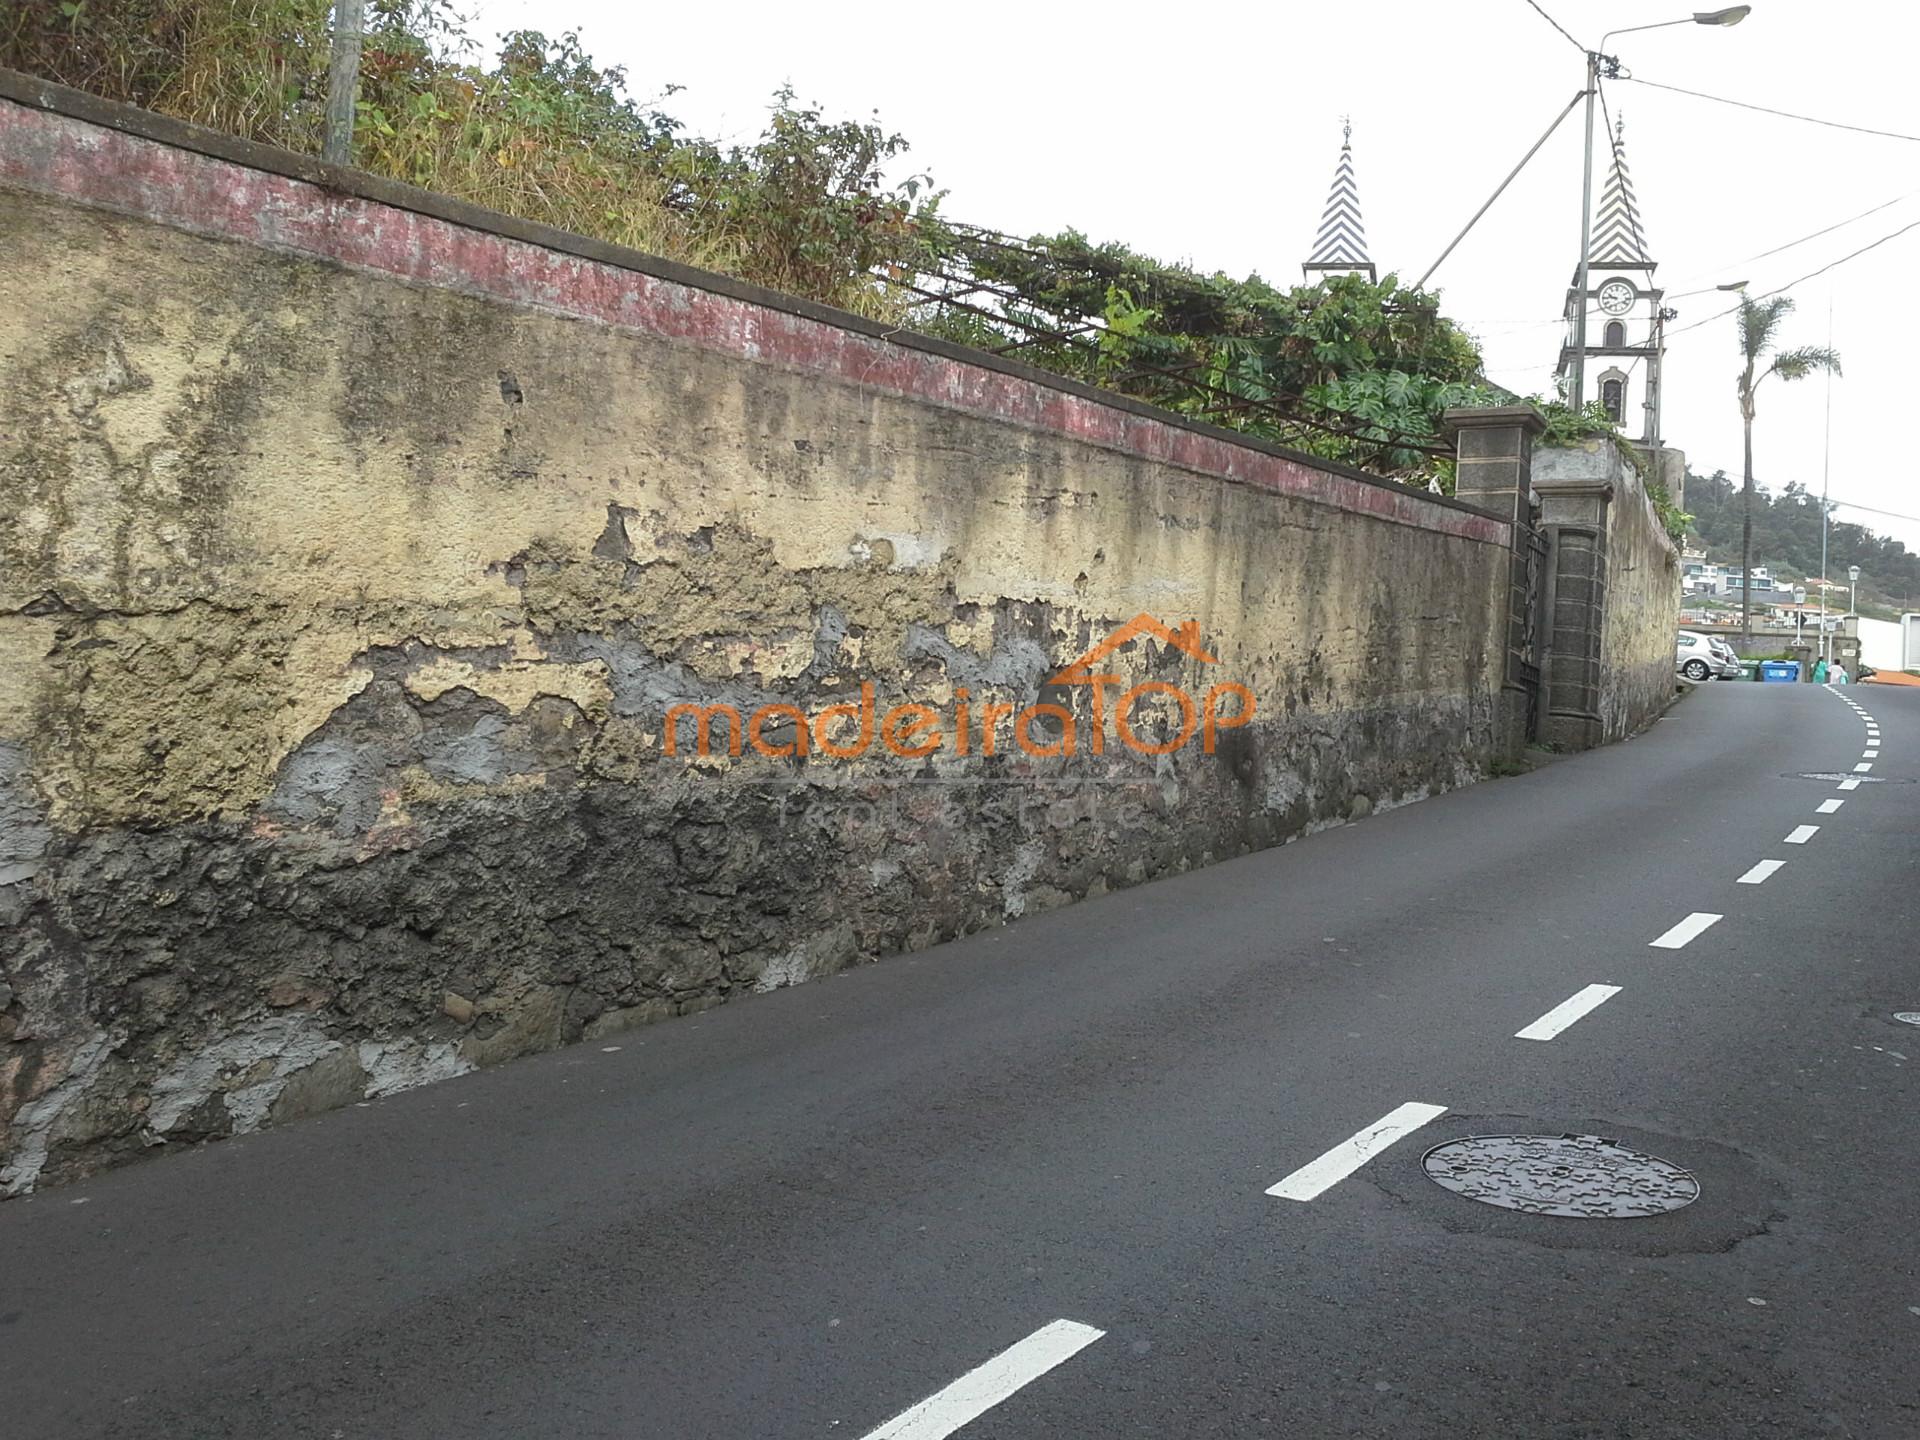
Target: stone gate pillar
{"points": [[1494, 450]]}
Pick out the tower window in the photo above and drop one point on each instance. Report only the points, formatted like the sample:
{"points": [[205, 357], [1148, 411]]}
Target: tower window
{"points": [[1613, 394], [1616, 334]]}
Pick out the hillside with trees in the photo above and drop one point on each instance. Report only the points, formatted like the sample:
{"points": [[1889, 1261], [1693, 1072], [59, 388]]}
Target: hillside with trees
{"points": [[1786, 537]]}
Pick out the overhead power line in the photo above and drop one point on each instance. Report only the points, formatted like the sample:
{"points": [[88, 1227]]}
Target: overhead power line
{"points": [[1768, 254], [1558, 26], [1769, 110], [1421, 283], [1811, 274]]}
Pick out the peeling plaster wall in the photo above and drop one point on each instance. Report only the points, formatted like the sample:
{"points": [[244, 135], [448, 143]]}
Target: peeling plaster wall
{"points": [[1643, 611], [351, 557]]}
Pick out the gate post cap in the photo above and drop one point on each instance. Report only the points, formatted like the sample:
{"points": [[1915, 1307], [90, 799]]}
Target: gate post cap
{"points": [[1488, 417]]}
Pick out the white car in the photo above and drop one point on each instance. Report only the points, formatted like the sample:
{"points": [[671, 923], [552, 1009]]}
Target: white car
{"points": [[1704, 657]]}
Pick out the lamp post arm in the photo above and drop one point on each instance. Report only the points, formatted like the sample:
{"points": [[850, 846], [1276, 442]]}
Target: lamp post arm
{"points": [[1635, 29]]}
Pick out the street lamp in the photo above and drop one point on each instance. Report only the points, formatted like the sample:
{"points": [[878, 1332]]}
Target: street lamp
{"points": [[1853, 590], [1732, 15]]}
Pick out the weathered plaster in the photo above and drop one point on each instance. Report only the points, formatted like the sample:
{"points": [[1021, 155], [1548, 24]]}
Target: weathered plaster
{"points": [[351, 560]]}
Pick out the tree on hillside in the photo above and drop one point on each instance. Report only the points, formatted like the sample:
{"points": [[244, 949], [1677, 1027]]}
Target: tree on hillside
{"points": [[1759, 322]]}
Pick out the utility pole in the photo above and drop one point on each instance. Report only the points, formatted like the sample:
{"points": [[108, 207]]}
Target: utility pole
{"points": [[1579, 396], [1732, 15], [343, 80], [1826, 471]]}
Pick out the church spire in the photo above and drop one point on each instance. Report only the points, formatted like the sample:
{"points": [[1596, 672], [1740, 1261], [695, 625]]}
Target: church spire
{"points": [[1617, 236], [1341, 246]]}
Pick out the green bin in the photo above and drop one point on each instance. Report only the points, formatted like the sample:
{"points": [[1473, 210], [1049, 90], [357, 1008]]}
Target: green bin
{"points": [[1749, 669]]}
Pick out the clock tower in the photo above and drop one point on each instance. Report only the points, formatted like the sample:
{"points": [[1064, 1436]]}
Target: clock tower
{"points": [[1626, 316]]}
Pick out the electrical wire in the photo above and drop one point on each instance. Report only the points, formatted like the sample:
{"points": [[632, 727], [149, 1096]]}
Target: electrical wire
{"points": [[1811, 274], [1768, 110], [1558, 26], [1768, 254]]}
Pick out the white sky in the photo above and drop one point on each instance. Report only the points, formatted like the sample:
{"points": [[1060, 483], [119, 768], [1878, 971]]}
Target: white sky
{"points": [[1209, 135]]}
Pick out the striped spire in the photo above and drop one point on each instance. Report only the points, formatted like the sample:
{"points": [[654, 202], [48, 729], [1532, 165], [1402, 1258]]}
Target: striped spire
{"points": [[1617, 236], [1341, 245]]}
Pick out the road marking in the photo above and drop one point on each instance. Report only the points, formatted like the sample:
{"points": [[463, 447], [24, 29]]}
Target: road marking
{"points": [[1349, 1155], [984, 1387], [1869, 754], [1760, 872], [1827, 807], [1688, 929], [1863, 767], [1568, 1011], [1849, 784], [1802, 833]]}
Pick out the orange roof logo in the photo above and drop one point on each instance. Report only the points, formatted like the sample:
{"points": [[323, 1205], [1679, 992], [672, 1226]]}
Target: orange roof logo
{"points": [[1186, 639]]}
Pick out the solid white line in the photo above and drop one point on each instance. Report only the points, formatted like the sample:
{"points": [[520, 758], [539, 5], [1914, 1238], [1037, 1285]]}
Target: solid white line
{"points": [[1863, 767], [979, 1390], [1849, 784], [1688, 929], [1827, 807], [1350, 1154], [1802, 833], [1567, 1011], [1760, 872]]}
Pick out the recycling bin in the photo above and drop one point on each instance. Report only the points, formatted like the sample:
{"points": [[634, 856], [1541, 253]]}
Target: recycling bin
{"points": [[1777, 670]]}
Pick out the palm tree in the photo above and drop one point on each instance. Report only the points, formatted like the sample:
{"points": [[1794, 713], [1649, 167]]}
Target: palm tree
{"points": [[1759, 327]]}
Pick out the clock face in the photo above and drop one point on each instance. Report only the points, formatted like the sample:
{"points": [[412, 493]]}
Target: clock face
{"points": [[1617, 297]]}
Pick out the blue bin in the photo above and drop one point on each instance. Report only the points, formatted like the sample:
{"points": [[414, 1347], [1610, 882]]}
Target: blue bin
{"points": [[1779, 670]]}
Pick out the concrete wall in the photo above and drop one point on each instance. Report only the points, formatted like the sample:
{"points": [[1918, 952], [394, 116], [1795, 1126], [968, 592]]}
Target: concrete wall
{"points": [[1616, 594], [354, 547]]}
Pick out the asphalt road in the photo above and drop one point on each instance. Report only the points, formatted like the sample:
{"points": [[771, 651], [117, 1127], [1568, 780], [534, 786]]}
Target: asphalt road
{"points": [[864, 1207]]}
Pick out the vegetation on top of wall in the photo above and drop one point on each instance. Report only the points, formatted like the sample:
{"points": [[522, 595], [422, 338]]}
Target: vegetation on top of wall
{"points": [[1568, 427], [1348, 369]]}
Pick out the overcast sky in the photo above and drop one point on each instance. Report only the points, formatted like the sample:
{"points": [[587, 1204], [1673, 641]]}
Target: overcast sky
{"points": [[1208, 134]]}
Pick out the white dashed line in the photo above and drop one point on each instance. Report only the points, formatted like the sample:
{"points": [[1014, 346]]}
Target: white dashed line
{"points": [[980, 1389], [1567, 1011], [1863, 767], [1849, 784], [1687, 930], [1869, 754], [1802, 833], [1349, 1155], [1760, 872], [1827, 807]]}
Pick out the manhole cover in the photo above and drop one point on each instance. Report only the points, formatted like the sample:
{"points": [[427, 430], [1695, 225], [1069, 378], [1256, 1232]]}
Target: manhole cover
{"points": [[1585, 1176], [1907, 1017]]}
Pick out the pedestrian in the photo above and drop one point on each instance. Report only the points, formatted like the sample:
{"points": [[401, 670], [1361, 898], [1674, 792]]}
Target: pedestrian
{"points": [[1820, 671], [1839, 673]]}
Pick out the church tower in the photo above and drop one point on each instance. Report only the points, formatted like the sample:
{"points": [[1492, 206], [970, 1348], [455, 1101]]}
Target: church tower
{"points": [[1341, 246], [1625, 317]]}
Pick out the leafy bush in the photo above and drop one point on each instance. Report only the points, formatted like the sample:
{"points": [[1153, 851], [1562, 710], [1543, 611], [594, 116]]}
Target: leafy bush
{"points": [[1348, 369]]}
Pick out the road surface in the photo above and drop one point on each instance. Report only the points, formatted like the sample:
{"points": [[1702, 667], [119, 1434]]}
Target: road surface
{"points": [[1148, 1166]]}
